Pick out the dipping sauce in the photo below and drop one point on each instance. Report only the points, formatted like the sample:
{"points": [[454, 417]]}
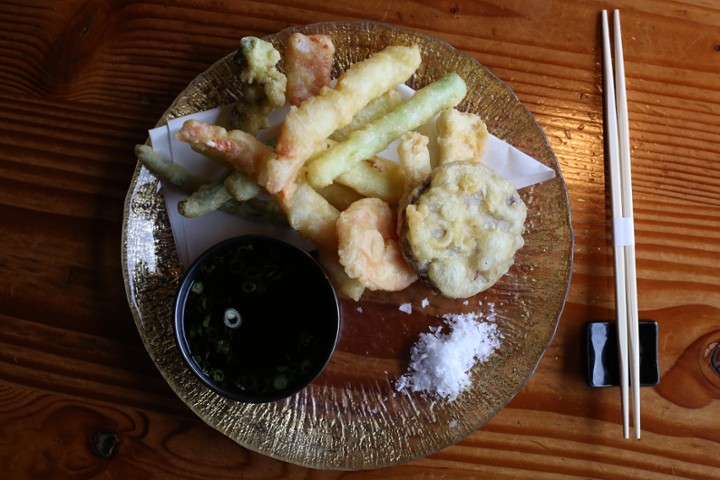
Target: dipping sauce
{"points": [[256, 318]]}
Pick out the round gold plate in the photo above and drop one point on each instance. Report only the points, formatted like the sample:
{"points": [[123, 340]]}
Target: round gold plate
{"points": [[351, 417]]}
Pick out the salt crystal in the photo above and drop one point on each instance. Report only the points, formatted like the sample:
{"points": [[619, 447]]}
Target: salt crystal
{"points": [[441, 362], [406, 307], [425, 302], [360, 309]]}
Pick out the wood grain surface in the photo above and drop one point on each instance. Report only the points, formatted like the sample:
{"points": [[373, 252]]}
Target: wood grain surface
{"points": [[81, 81]]}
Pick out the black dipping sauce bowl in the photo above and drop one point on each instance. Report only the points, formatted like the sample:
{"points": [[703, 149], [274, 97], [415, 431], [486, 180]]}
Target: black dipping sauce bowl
{"points": [[256, 319]]}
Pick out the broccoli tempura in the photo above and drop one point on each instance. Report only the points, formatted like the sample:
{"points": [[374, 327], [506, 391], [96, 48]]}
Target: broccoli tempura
{"points": [[263, 85]]}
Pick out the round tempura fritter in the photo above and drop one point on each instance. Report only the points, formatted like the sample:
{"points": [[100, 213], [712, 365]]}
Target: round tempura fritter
{"points": [[461, 228]]}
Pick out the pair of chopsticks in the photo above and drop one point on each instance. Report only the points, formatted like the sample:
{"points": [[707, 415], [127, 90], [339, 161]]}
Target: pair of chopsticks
{"points": [[618, 143]]}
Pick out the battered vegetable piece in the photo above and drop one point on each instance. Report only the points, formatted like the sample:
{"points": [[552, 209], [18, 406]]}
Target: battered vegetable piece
{"points": [[254, 209], [175, 174], [372, 111], [307, 126], [263, 85], [212, 196], [375, 177], [308, 65], [312, 216], [462, 228], [369, 249], [206, 199], [414, 157], [461, 136], [339, 196], [241, 187], [349, 286], [377, 135]]}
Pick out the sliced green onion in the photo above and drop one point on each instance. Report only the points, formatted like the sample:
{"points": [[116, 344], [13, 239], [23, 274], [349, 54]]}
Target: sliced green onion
{"points": [[280, 382], [222, 347], [204, 304], [232, 318]]}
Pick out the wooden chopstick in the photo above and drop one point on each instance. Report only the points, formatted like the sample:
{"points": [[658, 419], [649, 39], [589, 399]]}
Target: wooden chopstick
{"points": [[618, 144], [627, 200]]}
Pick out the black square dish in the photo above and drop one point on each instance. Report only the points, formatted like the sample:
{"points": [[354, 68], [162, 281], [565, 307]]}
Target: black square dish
{"points": [[602, 354]]}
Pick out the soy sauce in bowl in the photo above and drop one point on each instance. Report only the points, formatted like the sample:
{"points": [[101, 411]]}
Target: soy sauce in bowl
{"points": [[256, 319]]}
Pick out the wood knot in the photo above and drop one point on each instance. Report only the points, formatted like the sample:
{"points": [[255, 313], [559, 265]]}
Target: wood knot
{"points": [[103, 443], [713, 356], [76, 45], [694, 380]]}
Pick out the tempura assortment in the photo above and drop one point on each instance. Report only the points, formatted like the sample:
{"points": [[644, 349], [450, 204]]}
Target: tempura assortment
{"points": [[377, 224]]}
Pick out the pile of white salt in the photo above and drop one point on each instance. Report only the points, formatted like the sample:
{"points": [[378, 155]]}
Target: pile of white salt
{"points": [[441, 360]]}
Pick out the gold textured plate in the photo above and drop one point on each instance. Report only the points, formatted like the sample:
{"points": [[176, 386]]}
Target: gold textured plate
{"points": [[351, 417]]}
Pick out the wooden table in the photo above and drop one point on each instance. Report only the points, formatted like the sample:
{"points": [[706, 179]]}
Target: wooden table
{"points": [[81, 81]]}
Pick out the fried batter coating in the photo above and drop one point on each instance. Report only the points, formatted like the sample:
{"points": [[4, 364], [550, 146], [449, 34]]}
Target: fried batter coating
{"points": [[462, 228], [263, 85], [461, 136], [308, 65], [235, 148], [369, 249], [415, 162]]}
